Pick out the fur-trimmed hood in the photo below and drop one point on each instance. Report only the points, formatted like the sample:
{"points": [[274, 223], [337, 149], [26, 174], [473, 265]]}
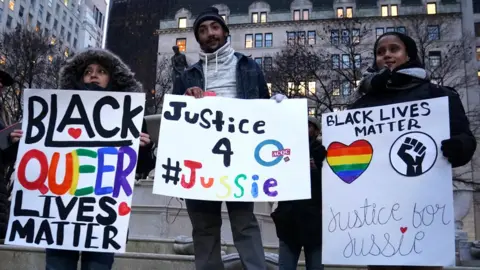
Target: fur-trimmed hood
{"points": [[123, 79]]}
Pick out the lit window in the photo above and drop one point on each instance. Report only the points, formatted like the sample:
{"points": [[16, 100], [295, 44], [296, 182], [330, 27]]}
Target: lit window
{"points": [[312, 111], [53, 41], [393, 10], [255, 17], [182, 44], [3, 60], [478, 53], [432, 8], [263, 17], [50, 58], [248, 41], [296, 15], [301, 88], [312, 88], [384, 11], [290, 86], [339, 12], [11, 5], [306, 14], [182, 23], [269, 86], [66, 52], [349, 12]]}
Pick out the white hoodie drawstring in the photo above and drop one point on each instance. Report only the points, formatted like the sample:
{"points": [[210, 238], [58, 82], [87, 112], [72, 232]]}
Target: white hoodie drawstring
{"points": [[206, 73]]}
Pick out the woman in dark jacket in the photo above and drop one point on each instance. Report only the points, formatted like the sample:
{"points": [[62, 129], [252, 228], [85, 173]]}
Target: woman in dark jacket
{"points": [[299, 223], [99, 70], [397, 75]]}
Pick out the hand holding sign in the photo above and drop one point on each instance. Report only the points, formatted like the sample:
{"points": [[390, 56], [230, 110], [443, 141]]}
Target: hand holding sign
{"points": [[16, 135]]}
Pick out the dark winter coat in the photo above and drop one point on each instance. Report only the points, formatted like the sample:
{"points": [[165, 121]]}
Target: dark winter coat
{"points": [[8, 157], [251, 83], [122, 80], [300, 222], [412, 84]]}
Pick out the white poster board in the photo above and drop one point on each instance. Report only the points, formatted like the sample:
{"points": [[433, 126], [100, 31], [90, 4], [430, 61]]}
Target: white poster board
{"points": [[387, 189], [223, 149], [75, 170]]}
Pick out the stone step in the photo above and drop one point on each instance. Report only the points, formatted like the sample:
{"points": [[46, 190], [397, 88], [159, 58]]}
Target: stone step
{"points": [[166, 246], [13, 258], [147, 221]]}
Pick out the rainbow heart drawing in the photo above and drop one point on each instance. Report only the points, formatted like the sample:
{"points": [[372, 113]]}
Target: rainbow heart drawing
{"points": [[348, 162]]}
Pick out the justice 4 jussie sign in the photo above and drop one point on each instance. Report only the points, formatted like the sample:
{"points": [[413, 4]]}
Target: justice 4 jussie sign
{"points": [[75, 170], [387, 189], [224, 149]]}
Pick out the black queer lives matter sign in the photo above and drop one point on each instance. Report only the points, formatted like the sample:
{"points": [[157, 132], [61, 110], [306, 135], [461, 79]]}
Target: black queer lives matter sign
{"points": [[75, 170]]}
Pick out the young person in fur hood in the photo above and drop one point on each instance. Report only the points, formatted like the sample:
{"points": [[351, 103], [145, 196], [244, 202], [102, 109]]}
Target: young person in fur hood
{"points": [[98, 70], [397, 75]]}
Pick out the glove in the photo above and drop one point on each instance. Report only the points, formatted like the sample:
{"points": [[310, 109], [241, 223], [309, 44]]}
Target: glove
{"points": [[279, 97], [319, 153], [380, 80], [452, 149]]}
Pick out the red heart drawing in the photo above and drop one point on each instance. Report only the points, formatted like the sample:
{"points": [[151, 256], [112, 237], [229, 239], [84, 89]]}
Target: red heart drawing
{"points": [[123, 209], [74, 132], [403, 229]]}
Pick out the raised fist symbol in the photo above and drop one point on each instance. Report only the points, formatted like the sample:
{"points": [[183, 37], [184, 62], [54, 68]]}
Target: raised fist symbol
{"points": [[412, 152]]}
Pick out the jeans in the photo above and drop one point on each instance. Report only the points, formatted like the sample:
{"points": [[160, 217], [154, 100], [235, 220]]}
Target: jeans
{"points": [[207, 222], [289, 254], [57, 259]]}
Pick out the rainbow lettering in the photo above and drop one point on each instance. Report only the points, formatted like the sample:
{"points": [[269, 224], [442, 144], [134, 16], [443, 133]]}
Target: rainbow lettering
{"points": [[349, 162], [73, 169]]}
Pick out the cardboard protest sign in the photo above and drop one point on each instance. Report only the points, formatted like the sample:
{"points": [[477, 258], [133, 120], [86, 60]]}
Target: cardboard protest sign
{"points": [[387, 189], [224, 149], [75, 170]]}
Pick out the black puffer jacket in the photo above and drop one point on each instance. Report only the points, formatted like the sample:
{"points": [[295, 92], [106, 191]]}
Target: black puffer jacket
{"points": [[411, 84], [123, 80], [300, 222]]}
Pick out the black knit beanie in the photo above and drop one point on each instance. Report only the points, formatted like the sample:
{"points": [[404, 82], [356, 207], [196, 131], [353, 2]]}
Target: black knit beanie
{"points": [[210, 13], [410, 46]]}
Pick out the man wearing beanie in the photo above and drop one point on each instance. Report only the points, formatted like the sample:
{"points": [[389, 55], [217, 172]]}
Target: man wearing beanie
{"points": [[233, 75]]}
